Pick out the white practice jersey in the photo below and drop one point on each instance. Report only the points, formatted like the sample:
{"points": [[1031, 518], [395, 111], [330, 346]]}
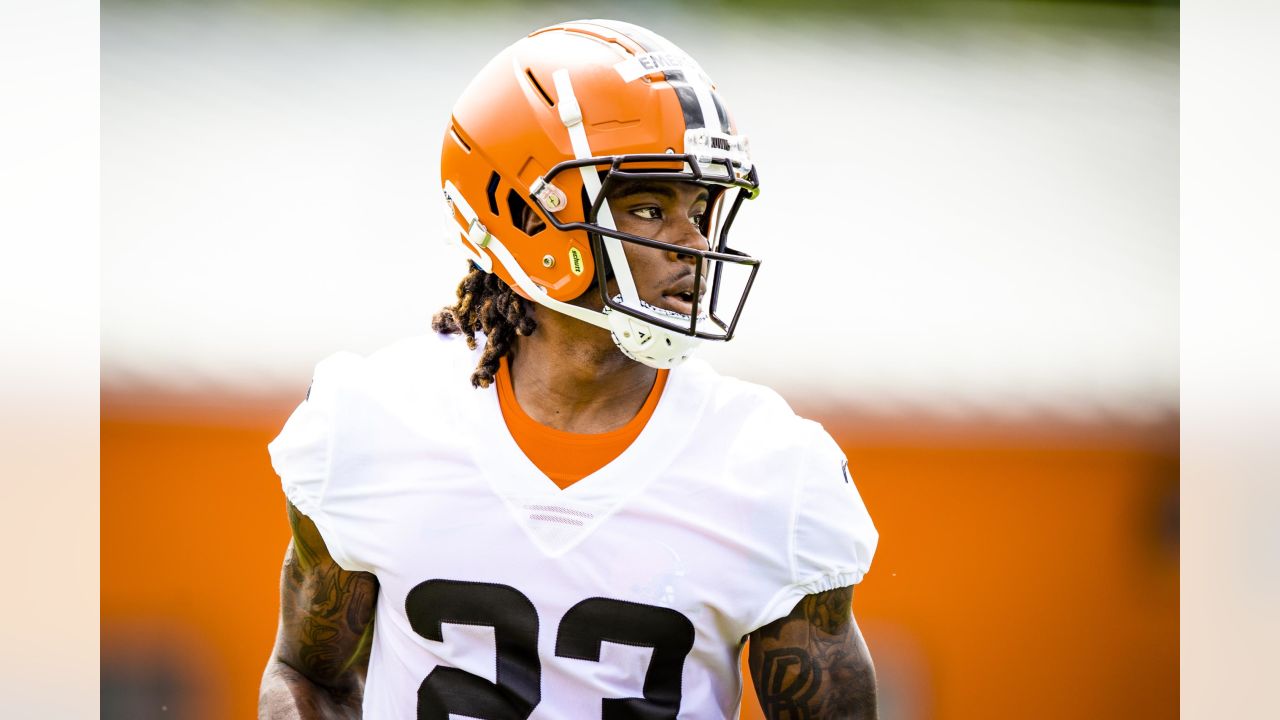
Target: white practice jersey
{"points": [[628, 594]]}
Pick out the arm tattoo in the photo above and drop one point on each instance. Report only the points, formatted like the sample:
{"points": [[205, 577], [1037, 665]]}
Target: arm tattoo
{"points": [[326, 612], [814, 663]]}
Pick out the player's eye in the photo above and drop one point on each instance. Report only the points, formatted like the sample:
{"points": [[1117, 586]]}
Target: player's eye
{"points": [[697, 218], [648, 213]]}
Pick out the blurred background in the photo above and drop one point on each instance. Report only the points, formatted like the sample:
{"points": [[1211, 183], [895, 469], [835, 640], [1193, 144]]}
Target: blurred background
{"points": [[969, 225]]}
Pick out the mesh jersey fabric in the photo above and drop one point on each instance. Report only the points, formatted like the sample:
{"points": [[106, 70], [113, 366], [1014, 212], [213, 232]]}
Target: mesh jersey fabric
{"points": [[567, 457], [725, 510]]}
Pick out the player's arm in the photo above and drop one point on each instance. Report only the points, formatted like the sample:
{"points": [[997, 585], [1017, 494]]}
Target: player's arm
{"points": [[814, 663], [318, 665]]}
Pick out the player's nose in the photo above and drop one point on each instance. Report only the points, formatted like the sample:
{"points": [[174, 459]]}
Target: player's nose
{"points": [[688, 235]]}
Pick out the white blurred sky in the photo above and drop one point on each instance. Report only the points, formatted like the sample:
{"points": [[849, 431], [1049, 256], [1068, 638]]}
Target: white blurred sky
{"points": [[975, 216]]}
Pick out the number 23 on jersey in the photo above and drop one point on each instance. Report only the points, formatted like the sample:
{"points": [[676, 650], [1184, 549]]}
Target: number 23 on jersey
{"points": [[579, 636]]}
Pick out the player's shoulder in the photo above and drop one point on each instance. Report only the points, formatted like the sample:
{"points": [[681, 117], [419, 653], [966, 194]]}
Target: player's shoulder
{"points": [[413, 364], [417, 354], [758, 414], [727, 393], [434, 353]]}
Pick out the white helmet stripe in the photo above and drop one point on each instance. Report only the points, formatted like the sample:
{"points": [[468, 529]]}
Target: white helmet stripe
{"points": [[571, 116]]}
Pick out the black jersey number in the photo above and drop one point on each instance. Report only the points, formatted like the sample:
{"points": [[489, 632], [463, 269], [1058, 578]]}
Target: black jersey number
{"points": [[670, 634], [515, 632], [515, 626]]}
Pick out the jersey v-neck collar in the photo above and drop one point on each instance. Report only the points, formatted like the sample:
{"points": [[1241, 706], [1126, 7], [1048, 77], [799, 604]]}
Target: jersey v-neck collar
{"points": [[595, 497], [567, 457]]}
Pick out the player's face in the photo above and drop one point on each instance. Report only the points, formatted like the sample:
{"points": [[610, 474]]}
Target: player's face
{"points": [[669, 212]]}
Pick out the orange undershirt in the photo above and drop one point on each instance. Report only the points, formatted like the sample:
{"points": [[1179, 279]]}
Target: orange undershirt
{"points": [[567, 457]]}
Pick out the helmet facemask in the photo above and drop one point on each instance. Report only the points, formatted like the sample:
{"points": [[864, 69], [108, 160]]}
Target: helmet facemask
{"points": [[722, 275]]}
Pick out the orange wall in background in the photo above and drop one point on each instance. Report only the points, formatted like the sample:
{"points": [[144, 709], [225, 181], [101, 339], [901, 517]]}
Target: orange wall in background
{"points": [[1028, 571]]}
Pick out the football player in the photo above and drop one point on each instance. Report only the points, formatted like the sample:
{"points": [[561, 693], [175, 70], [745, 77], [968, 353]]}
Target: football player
{"points": [[542, 510]]}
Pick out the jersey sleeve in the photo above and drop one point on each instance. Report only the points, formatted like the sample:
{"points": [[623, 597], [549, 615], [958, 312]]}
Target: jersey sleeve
{"points": [[302, 454], [832, 536]]}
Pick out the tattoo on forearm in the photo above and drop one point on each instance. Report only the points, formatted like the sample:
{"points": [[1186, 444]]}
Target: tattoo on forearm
{"points": [[813, 663]]}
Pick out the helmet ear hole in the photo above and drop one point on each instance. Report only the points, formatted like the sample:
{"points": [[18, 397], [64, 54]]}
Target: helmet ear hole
{"points": [[522, 216]]}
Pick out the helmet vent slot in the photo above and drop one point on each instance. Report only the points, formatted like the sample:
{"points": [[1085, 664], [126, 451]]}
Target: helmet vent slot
{"points": [[493, 193], [453, 133], [537, 86]]}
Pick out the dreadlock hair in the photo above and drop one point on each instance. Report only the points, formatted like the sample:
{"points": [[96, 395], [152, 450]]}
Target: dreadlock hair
{"points": [[486, 304]]}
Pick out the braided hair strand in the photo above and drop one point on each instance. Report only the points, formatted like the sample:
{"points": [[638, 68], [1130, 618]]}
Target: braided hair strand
{"points": [[487, 305]]}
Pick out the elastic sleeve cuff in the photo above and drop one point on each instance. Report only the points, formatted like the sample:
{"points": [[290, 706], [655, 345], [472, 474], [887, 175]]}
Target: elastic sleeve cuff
{"points": [[331, 536], [302, 455], [784, 601], [305, 494]]}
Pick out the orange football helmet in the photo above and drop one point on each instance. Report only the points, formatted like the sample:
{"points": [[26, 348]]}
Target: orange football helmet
{"points": [[550, 124]]}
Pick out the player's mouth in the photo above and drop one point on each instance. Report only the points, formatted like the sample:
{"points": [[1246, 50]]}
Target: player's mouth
{"points": [[679, 297]]}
